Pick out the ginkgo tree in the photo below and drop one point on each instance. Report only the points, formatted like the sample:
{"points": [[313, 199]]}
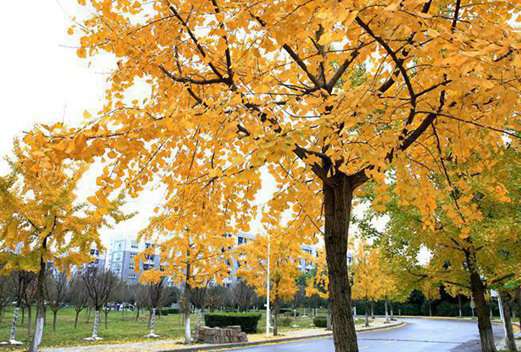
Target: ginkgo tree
{"points": [[43, 223], [472, 249], [318, 284], [325, 94], [368, 276], [285, 253], [193, 245]]}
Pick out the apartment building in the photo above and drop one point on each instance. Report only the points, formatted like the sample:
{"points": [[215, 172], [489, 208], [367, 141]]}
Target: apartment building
{"points": [[122, 253]]}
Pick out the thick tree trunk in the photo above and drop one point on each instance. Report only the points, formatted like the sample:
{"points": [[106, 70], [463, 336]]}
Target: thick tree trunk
{"points": [[338, 197], [386, 313], [23, 315], [482, 309], [510, 341], [276, 318], [137, 313], [392, 311]]}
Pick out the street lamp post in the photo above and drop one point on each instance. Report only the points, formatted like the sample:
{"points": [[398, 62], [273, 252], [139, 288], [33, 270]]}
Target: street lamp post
{"points": [[268, 289]]}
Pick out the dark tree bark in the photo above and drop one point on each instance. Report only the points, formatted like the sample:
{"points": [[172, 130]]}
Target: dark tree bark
{"points": [[54, 318], [276, 310], [29, 320], [76, 318], [106, 311], [478, 289], [366, 312], [338, 198]]}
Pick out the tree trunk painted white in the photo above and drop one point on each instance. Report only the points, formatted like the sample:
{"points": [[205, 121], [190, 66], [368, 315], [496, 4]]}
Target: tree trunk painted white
{"points": [[12, 334], [188, 330], [152, 333], [95, 327], [386, 313], [354, 312], [329, 323], [38, 332]]}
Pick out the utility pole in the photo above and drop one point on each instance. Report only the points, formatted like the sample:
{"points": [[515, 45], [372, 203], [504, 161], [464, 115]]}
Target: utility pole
{"points": [[268, 289]]}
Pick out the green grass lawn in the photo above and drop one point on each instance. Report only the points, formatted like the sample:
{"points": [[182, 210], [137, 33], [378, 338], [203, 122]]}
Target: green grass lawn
{"points": [[124, 327], [121, 327]]}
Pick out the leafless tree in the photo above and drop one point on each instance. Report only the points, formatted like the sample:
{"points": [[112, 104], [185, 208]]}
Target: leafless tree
{"points": [[242, 295], [21, 281], [140, 299], [57, 287], [6, 294], [77, 296], [198, 297], [99, 287], [216, 297], [156, 295]]}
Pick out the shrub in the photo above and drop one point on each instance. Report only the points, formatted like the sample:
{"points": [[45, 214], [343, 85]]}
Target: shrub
{"points": [[320, 321], [288, 312], [247, 321]]}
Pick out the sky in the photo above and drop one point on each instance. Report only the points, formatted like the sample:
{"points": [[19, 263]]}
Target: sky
{"points": [[42, 80]]}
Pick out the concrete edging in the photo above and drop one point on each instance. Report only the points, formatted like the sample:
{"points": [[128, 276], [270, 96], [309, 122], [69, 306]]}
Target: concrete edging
{"points": [[276, 341]]}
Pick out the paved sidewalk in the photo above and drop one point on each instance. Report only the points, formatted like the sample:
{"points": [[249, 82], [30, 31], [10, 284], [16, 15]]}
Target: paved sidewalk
{"points": [[177, 345]]}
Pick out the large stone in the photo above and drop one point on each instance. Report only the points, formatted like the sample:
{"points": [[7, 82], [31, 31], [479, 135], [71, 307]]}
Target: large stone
{"points": [[229, 334]]}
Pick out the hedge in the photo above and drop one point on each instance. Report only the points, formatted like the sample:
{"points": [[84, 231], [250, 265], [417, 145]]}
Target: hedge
{"points": [[166, 311], [320, 321], [247, 321], [288, 311]]}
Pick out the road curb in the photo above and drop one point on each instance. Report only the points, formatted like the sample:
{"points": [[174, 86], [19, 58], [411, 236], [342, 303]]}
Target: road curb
{"points": [[497, 322], [277, 341]]}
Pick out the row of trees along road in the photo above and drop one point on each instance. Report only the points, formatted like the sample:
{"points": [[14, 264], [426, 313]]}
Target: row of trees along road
{"points": [[90, 289], [323, 96], [472, 241]]}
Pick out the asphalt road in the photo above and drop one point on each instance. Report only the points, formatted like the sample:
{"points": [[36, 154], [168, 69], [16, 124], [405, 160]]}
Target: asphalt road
{"points": [[419, 335]]}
